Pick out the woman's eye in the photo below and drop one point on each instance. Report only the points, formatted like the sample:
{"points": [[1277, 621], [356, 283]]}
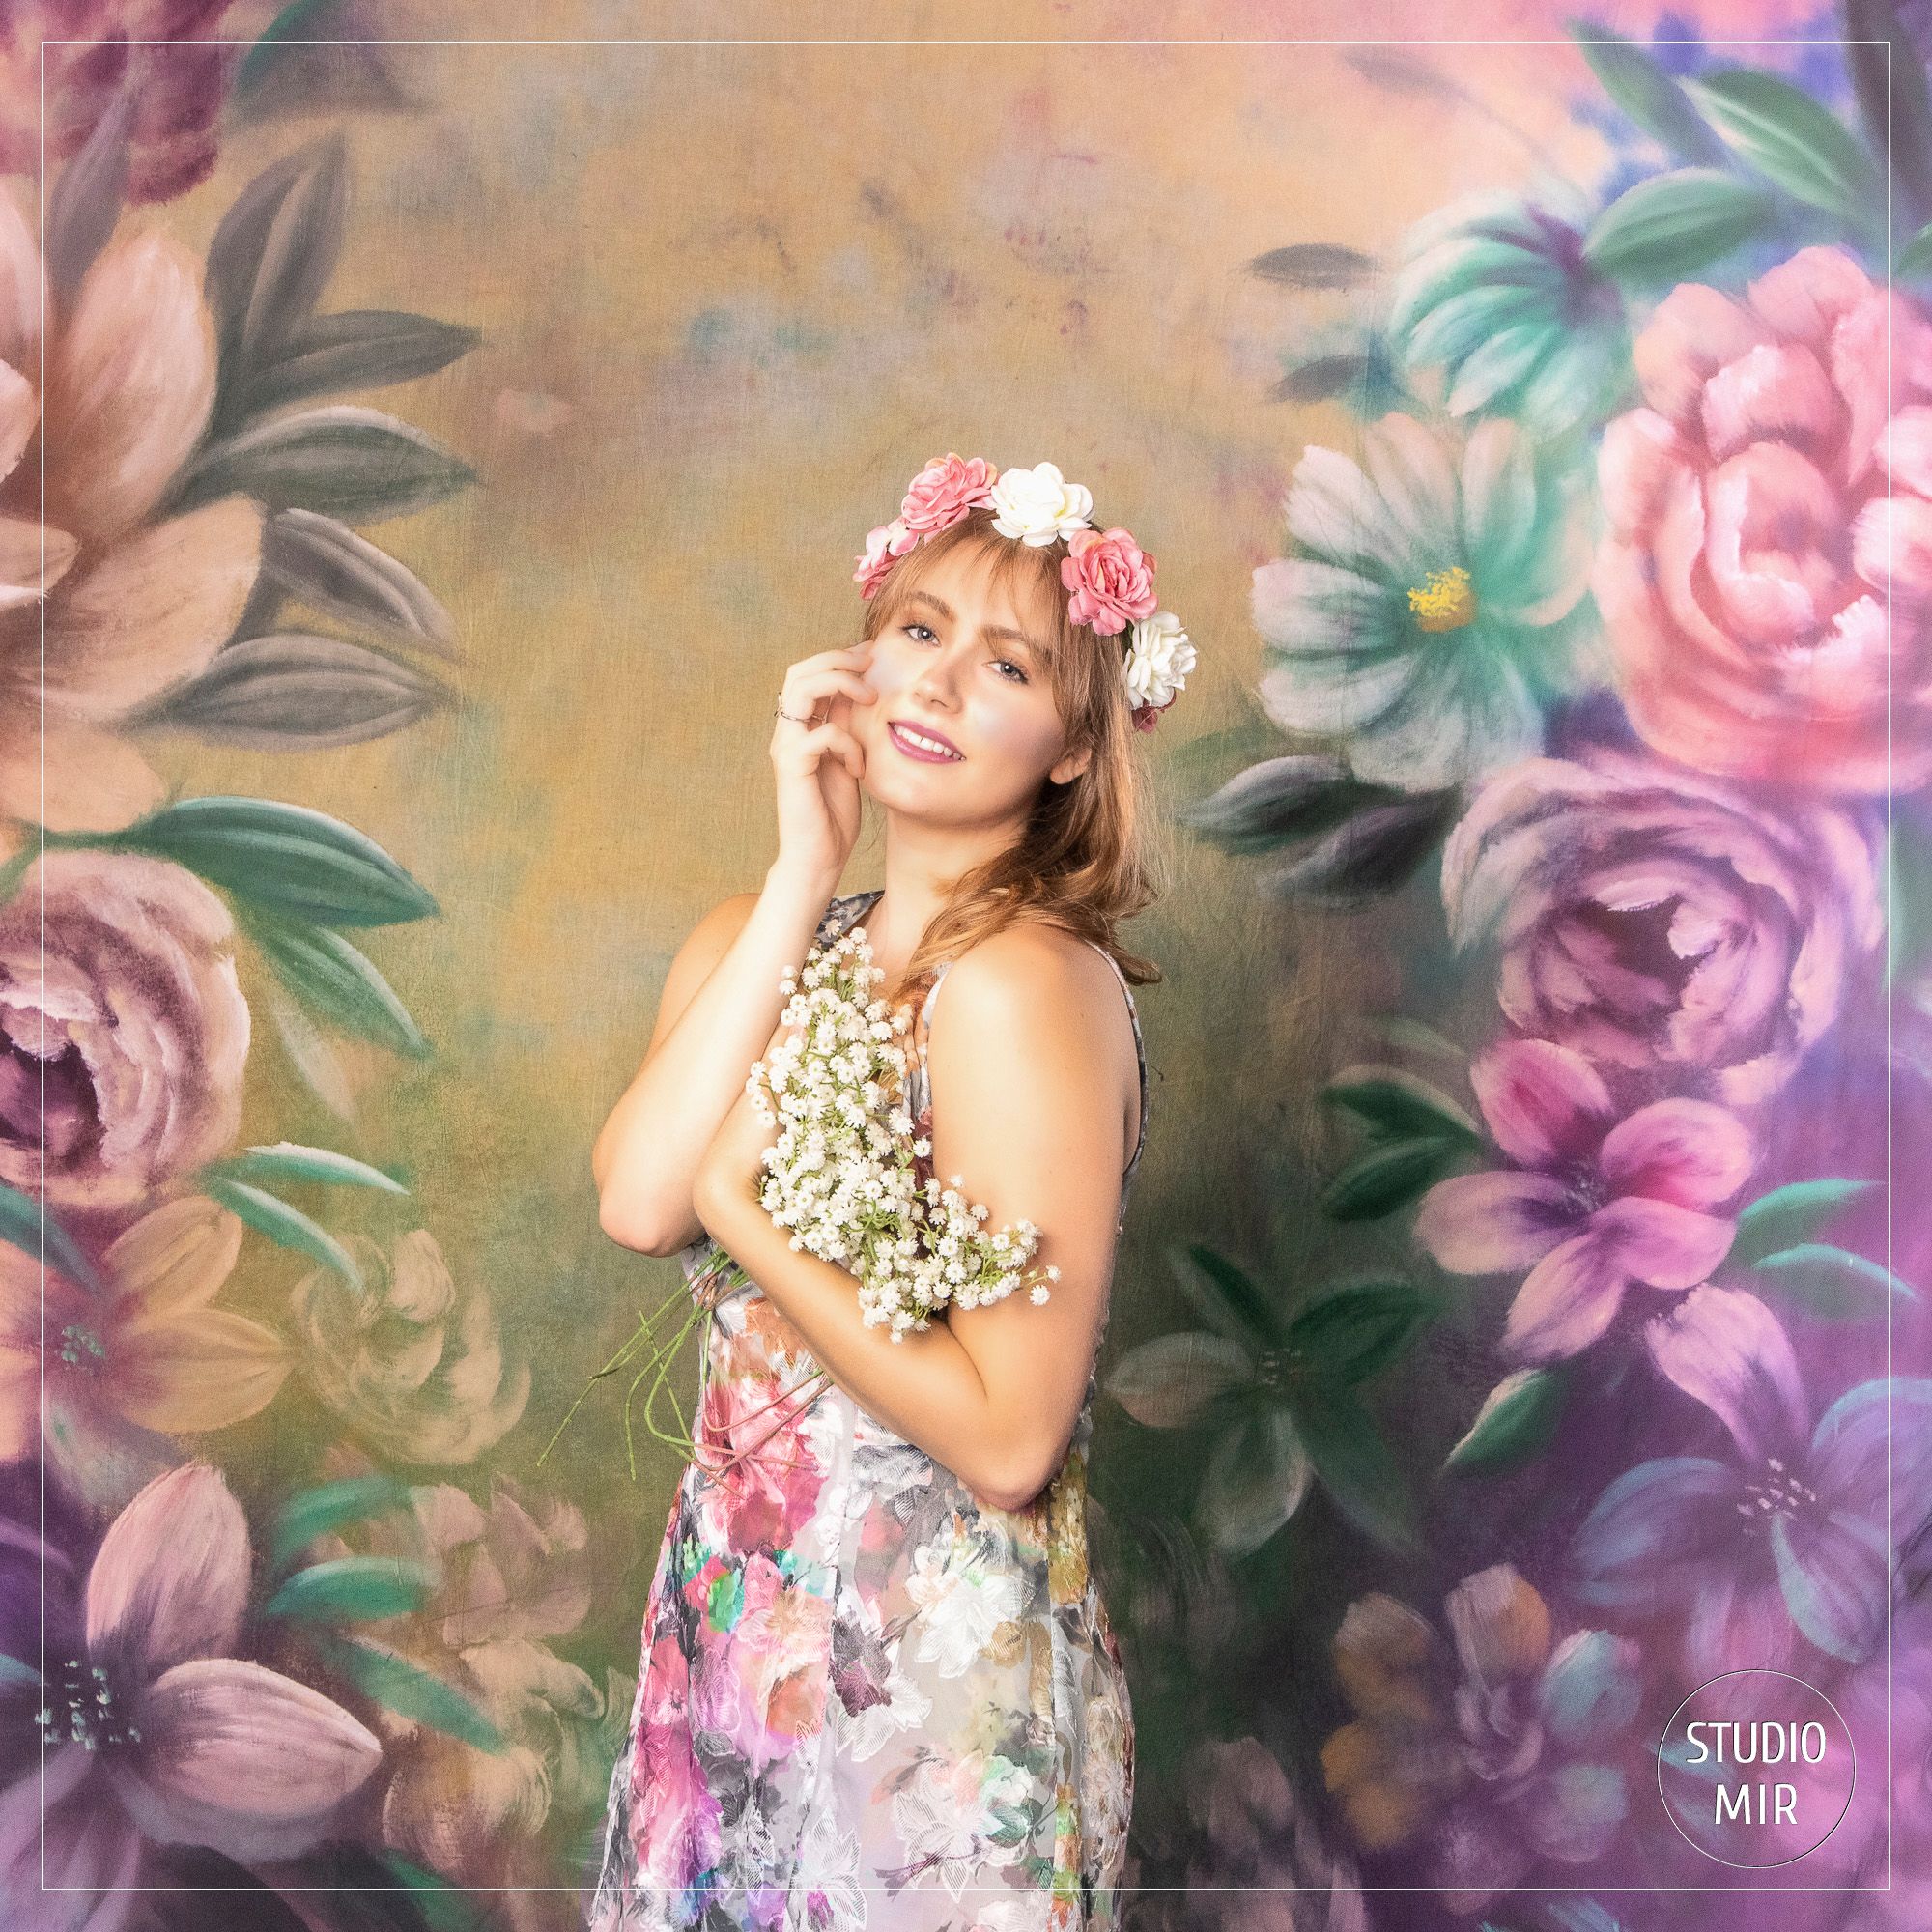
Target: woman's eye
{"points": [[1009, 665], [927, 628]]}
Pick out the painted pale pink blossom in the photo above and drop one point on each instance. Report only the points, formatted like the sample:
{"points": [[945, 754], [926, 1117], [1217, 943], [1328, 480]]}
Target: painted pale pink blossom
{"points": [[1111, 577], [177, 90], [146, 1361], [156, 1732], [1662, 922], [135, 1023], [1766, 505], [136, 602], [1596, 1204], [944, 492]]}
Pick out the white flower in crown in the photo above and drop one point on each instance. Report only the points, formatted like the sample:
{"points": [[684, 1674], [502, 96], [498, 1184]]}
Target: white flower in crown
{"points": [[1039, 504], [1158, 658]]}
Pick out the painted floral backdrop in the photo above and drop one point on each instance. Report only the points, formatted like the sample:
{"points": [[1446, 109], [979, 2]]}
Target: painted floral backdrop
{"points": [[1540, 1360]]}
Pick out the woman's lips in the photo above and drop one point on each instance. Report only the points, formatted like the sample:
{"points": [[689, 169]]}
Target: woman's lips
{"points": [[897, 732]]}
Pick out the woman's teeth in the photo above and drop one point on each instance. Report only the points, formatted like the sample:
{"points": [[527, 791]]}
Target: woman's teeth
{"points": [[924, 743]]}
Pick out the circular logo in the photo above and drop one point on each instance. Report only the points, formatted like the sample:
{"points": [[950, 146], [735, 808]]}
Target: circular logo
{"points": [[1757, 1768]]}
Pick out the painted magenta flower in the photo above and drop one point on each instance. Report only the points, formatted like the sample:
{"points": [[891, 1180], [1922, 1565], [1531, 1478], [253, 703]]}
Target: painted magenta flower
{"points": [[148, 1360], [1111, 577], [1495, 292], [1786, 1539], [156, 1732], [1662, 922], [136, 601], [1767, 583], [1428, 616], [412, 1362], [1495, 1755], [128, 1007], [1597, 1203]]}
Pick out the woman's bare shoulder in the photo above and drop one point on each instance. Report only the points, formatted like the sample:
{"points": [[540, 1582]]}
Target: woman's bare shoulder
{"points": [[1037, 973]]}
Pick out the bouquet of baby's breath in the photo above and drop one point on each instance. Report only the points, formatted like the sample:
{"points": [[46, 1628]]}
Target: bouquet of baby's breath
{"points": [[843, 1171]]}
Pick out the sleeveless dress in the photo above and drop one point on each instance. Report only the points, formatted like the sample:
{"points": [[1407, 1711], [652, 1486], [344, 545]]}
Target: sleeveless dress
{"points": [[865, 1698]]}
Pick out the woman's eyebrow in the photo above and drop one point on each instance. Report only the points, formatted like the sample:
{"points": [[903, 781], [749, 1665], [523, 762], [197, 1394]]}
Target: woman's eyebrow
{"points": [[944, 610]]}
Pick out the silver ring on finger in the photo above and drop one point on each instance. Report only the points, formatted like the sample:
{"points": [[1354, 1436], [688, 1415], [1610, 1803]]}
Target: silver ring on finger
{"points": [[779, 711]]}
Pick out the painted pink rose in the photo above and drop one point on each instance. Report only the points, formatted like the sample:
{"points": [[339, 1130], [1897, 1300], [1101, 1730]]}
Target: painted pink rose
{"points": [[1111, 577], [1764, 506], [944, 491], [135, 1020], [1663, 924], [885, 545]]}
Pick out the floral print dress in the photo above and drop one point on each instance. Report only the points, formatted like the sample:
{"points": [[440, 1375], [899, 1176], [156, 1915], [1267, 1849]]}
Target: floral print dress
{"points": [[867, 1699]]}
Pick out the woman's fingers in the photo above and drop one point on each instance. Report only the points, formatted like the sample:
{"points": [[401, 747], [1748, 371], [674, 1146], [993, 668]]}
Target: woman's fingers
{"points": [[825, 683], [835, 739]]}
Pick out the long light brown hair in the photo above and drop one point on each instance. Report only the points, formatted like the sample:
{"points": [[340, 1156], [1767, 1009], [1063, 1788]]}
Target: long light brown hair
{"points": [[1093, 850]]}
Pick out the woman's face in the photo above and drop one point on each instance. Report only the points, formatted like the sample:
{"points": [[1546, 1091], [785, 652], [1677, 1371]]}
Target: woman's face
{"points": [[959, 663]]}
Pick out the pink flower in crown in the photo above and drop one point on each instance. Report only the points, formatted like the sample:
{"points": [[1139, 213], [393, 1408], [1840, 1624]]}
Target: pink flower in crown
{"points": [[1111, 577], [944, 491], [884, 546]]}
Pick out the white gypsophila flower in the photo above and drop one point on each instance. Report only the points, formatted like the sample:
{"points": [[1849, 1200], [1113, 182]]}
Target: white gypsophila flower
{"points": [[1037, 505], [841, 1171], [1160, 656]]}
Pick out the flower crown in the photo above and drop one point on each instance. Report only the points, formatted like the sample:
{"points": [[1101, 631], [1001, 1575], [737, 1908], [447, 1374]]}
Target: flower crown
{"points": [[1110, 576]]}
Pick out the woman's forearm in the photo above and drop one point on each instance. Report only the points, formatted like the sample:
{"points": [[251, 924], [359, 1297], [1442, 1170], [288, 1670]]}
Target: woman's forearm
{"points": [[647, 1152], [925, 1388]]}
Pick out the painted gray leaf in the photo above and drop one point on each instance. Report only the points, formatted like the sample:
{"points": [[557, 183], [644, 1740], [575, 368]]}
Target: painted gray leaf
{"points": [[1314, 265], [1167, 1382], [346, 461], [335, 571], [275, 251], [294, 692], [1374, 852], [1256, 1480], [86, 200], [1277, 800], [353, 349]]}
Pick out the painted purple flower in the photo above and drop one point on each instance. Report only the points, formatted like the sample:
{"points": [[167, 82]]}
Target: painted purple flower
{"points": [[1660, 922], [1493, 1756], [1786, 1539], [1597, 1203], [156, 1732]]}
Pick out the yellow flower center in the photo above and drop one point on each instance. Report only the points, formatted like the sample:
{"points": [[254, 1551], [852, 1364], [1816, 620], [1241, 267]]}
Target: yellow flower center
{"points": [[1445, 601]]}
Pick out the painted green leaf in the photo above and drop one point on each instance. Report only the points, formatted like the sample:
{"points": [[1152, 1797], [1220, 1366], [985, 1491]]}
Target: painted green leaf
{"points": [[1228, 1299], [1353, 1463], [1644, 92], [1788, 1216], [1516, 1420], [343, 461], [319, 1511], [1169, 1382], [1277, 801], [1354, 1331], [1668, 227], [1396, 1105], [1376, 851], [336, 982], [1257, 1476], [1909, 889], [287, 859], [352, 1589], [1915, 258], [1792, 140], [286, 1162], [1831, 1282], [402, 1687], [20, 1219], [287, 1227], [1389, 1175]]}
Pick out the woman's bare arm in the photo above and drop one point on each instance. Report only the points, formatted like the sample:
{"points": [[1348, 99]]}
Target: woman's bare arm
{"points": [[718, 1012], [1026, 1102]]}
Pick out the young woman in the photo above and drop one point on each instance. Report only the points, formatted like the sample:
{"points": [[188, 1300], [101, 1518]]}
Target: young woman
{"points": [[878, 1686]]}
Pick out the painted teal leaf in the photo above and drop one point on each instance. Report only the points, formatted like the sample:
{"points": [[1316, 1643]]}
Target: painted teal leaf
{"points": [[1644, 92], [1788, 1216], [1353, 1463], [1915, 258], [1278, 801], [286, 1164], [352, 1589], [21, 1221], [1668, 227], [1831, 1282], [287, 859], [1356, 1329], [343, 461], [1515, 1422], [1374, 852], [1227, 1298], [336, 982], [1397, 1106], [287, 1227], [321, 1511], [1792, 140], [402, 1687], [1389, 1175], [14, 1675]]}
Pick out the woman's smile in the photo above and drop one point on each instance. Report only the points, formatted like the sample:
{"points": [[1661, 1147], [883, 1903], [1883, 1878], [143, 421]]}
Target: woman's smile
{"points": [[926, 747]]}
